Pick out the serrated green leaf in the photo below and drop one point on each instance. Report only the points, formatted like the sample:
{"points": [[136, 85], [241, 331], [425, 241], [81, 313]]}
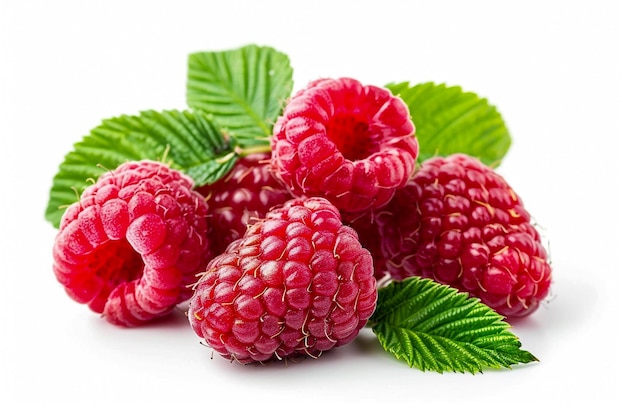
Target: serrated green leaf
{"points": [[434, 327], [449, 120], [244, 89], [190, 141]]}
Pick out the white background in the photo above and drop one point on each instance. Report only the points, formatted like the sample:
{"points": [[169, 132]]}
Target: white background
{"points": [[555, 70]]}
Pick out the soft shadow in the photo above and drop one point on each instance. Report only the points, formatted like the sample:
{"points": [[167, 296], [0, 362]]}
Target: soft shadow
{"points": [[365, 346], [368, 345], [567, 310], [568, 305], [174, 320]]}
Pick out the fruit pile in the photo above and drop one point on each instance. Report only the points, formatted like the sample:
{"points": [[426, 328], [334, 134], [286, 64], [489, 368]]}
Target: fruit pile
{"points": [[286, 251]]}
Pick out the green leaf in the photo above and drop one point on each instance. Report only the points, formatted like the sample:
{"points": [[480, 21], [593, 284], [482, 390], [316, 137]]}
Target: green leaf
{"points": [[449, 120], [190, 140], [244, 89], [434, 327]]}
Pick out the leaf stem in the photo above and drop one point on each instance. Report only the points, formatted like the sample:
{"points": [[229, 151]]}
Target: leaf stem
{"points": [[245, 151]]}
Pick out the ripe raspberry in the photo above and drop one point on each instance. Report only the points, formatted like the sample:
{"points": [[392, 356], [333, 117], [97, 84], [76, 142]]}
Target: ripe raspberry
{"points": [[132, 245], [459, 222], [297, 283], [247, 192], [368, 233], [349, 143]]}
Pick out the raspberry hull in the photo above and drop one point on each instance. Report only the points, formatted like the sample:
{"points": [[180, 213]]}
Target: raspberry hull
{"points": [[349, 143], [460, 223], [297, 283], [132, 245], [246, 193]]}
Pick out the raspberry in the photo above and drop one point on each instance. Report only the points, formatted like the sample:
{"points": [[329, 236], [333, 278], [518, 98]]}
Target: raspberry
{"points": [[349, 143], [460, 223], [369, 235], [247, 192], [297, 283], [132, 245]]}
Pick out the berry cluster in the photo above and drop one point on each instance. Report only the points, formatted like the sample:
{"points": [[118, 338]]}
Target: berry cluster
{"points": [[246, 193], [460, 223], [349, 143], [282, 257], [297, 282], [132, 243]]}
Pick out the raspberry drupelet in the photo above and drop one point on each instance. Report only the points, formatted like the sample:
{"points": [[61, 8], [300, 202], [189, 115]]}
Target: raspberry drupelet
{"points": [[298, 283], [350, 143], [460, 223], [133, 243]]}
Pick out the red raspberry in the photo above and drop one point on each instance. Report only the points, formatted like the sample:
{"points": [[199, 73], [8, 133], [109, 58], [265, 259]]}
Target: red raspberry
{"points": [[247, 192], [132, 245], [460, 223], [297, 283], [349, 143], [368, 233]]}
